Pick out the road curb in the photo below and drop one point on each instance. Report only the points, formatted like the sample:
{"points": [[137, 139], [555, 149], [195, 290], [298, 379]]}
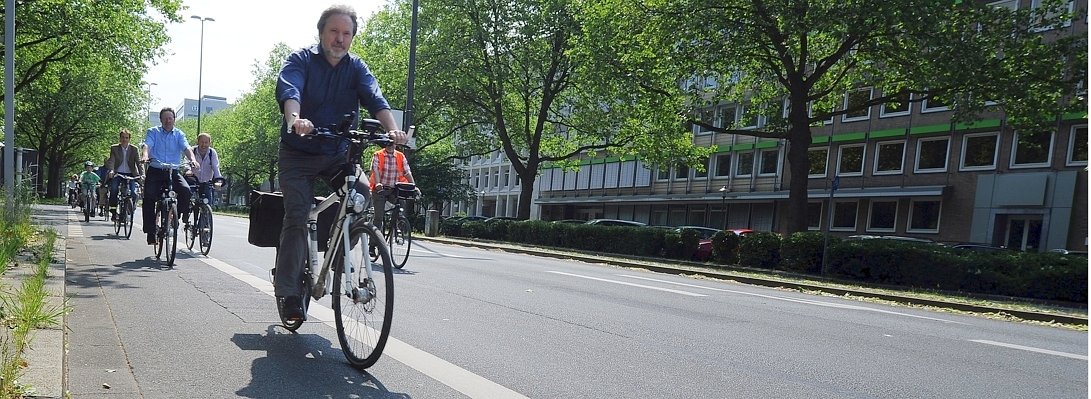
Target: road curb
{"points": [[657, 266]]}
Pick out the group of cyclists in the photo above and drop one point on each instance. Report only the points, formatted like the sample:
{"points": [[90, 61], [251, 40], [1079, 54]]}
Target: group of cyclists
{"points": [[317, 87], [131, 167]]}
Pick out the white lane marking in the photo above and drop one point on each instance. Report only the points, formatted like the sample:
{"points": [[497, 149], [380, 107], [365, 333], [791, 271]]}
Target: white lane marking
{"points": [[687, 293], [1031, 349], [445, 372], [797, 300]]}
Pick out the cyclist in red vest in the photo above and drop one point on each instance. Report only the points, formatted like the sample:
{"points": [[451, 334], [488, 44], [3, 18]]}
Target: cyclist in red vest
{"points": [[388, 167]]}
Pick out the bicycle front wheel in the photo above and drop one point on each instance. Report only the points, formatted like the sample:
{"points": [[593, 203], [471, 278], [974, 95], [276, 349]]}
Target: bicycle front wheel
{"points": [[401, 237], [364, 312], [160, 229], [117, 223], [126, 216], [172, 234], [204, 229], [191, 232]]}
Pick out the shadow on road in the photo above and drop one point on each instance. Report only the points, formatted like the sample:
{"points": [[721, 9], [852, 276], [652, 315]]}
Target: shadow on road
{"points": [[304, 366]]}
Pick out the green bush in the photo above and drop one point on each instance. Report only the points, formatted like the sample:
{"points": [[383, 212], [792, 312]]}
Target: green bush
{"points": [[760, 250], [802, 252], [672, 245], [725, 247], [474, 229], [689, 240]]}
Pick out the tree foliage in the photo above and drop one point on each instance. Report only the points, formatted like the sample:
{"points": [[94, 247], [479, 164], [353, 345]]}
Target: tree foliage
{"points": [[504, 75], [780, 58]]}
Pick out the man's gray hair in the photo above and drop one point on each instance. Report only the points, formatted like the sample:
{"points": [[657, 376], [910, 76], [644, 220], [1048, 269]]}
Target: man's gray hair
{"points": [[339, 9]]}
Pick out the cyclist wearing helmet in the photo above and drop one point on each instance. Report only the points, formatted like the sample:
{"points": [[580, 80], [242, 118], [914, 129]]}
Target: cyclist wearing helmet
{"points": [[388, 167], [89, 180]]}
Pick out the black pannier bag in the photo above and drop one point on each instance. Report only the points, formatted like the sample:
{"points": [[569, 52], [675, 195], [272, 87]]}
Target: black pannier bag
{"points": [[267, 219]]}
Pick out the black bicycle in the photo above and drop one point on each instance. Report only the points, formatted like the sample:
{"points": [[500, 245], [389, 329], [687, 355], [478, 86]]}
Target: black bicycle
{"points": [[125, 207], [166, 218], [397, 228], [200, 232]]}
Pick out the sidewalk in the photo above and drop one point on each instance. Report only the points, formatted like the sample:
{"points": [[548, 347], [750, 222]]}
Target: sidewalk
{"points": [[45, 355], [762, 277]]}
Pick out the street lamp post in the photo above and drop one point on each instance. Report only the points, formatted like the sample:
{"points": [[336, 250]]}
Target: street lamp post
{"points": [[200, 68], [148, 110], [723, 203]]}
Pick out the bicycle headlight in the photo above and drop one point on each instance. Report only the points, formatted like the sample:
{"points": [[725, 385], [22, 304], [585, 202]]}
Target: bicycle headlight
{"points": [[173, 194], [358, 202]]}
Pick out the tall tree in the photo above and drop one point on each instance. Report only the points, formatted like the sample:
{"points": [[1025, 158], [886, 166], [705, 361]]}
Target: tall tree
{"points": [[49, 32], [811, 52], [501, 75]]}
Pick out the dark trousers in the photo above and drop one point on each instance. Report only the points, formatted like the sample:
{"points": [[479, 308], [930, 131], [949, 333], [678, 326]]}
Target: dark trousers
{"points": [[115, 182], [154, 181], [298, 171]]}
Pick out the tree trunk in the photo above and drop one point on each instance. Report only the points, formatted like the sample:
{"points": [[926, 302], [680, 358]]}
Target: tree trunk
{"points": [[799, 140], [526, 191]]}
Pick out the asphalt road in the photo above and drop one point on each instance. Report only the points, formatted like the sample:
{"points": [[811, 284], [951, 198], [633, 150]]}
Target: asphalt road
{"points": [[484, 323]]}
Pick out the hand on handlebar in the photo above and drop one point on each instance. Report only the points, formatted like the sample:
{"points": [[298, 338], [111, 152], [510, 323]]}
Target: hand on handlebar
{"points": [[300, 126]]}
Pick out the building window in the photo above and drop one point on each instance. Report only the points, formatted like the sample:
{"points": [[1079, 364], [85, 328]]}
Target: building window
{"points": [[728, 116], [819, 158], [745, 166], [932, 155], [663, 173], [1009, 4], [854, 99], [979, 151], [815, 111], [681, 172], [702, 172], [814, 216], [850, 160], [897, 107], [844, 216], [749, 118], [1064, 24], [723, 165], [1032, 149], [770, 162], [889, 157], [708, 116], [935, 104], [882, 216], [924, 216], [1077, 146]]}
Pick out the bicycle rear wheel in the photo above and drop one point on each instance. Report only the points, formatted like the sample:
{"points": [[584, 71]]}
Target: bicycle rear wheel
{"points": [[204, 229], [401, 236], [364, 314]]}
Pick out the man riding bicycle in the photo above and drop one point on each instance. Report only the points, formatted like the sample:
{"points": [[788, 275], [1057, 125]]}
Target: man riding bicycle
{"points": [[164, 146], [388, 167], [317, 86], [123, 161], [208, 167]]}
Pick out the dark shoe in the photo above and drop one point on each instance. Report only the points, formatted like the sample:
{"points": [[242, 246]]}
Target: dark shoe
{"points": [[291, 308], [151, 239]]}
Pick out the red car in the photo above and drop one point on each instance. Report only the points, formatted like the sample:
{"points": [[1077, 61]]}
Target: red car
{"points": [[704, 234]]}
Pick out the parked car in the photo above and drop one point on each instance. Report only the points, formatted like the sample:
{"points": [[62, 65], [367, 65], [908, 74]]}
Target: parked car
{"points": [[892, 238], [496, 218], [969, 246], [704, 243], [570, 221], [1069, 252], [615, 222]]}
